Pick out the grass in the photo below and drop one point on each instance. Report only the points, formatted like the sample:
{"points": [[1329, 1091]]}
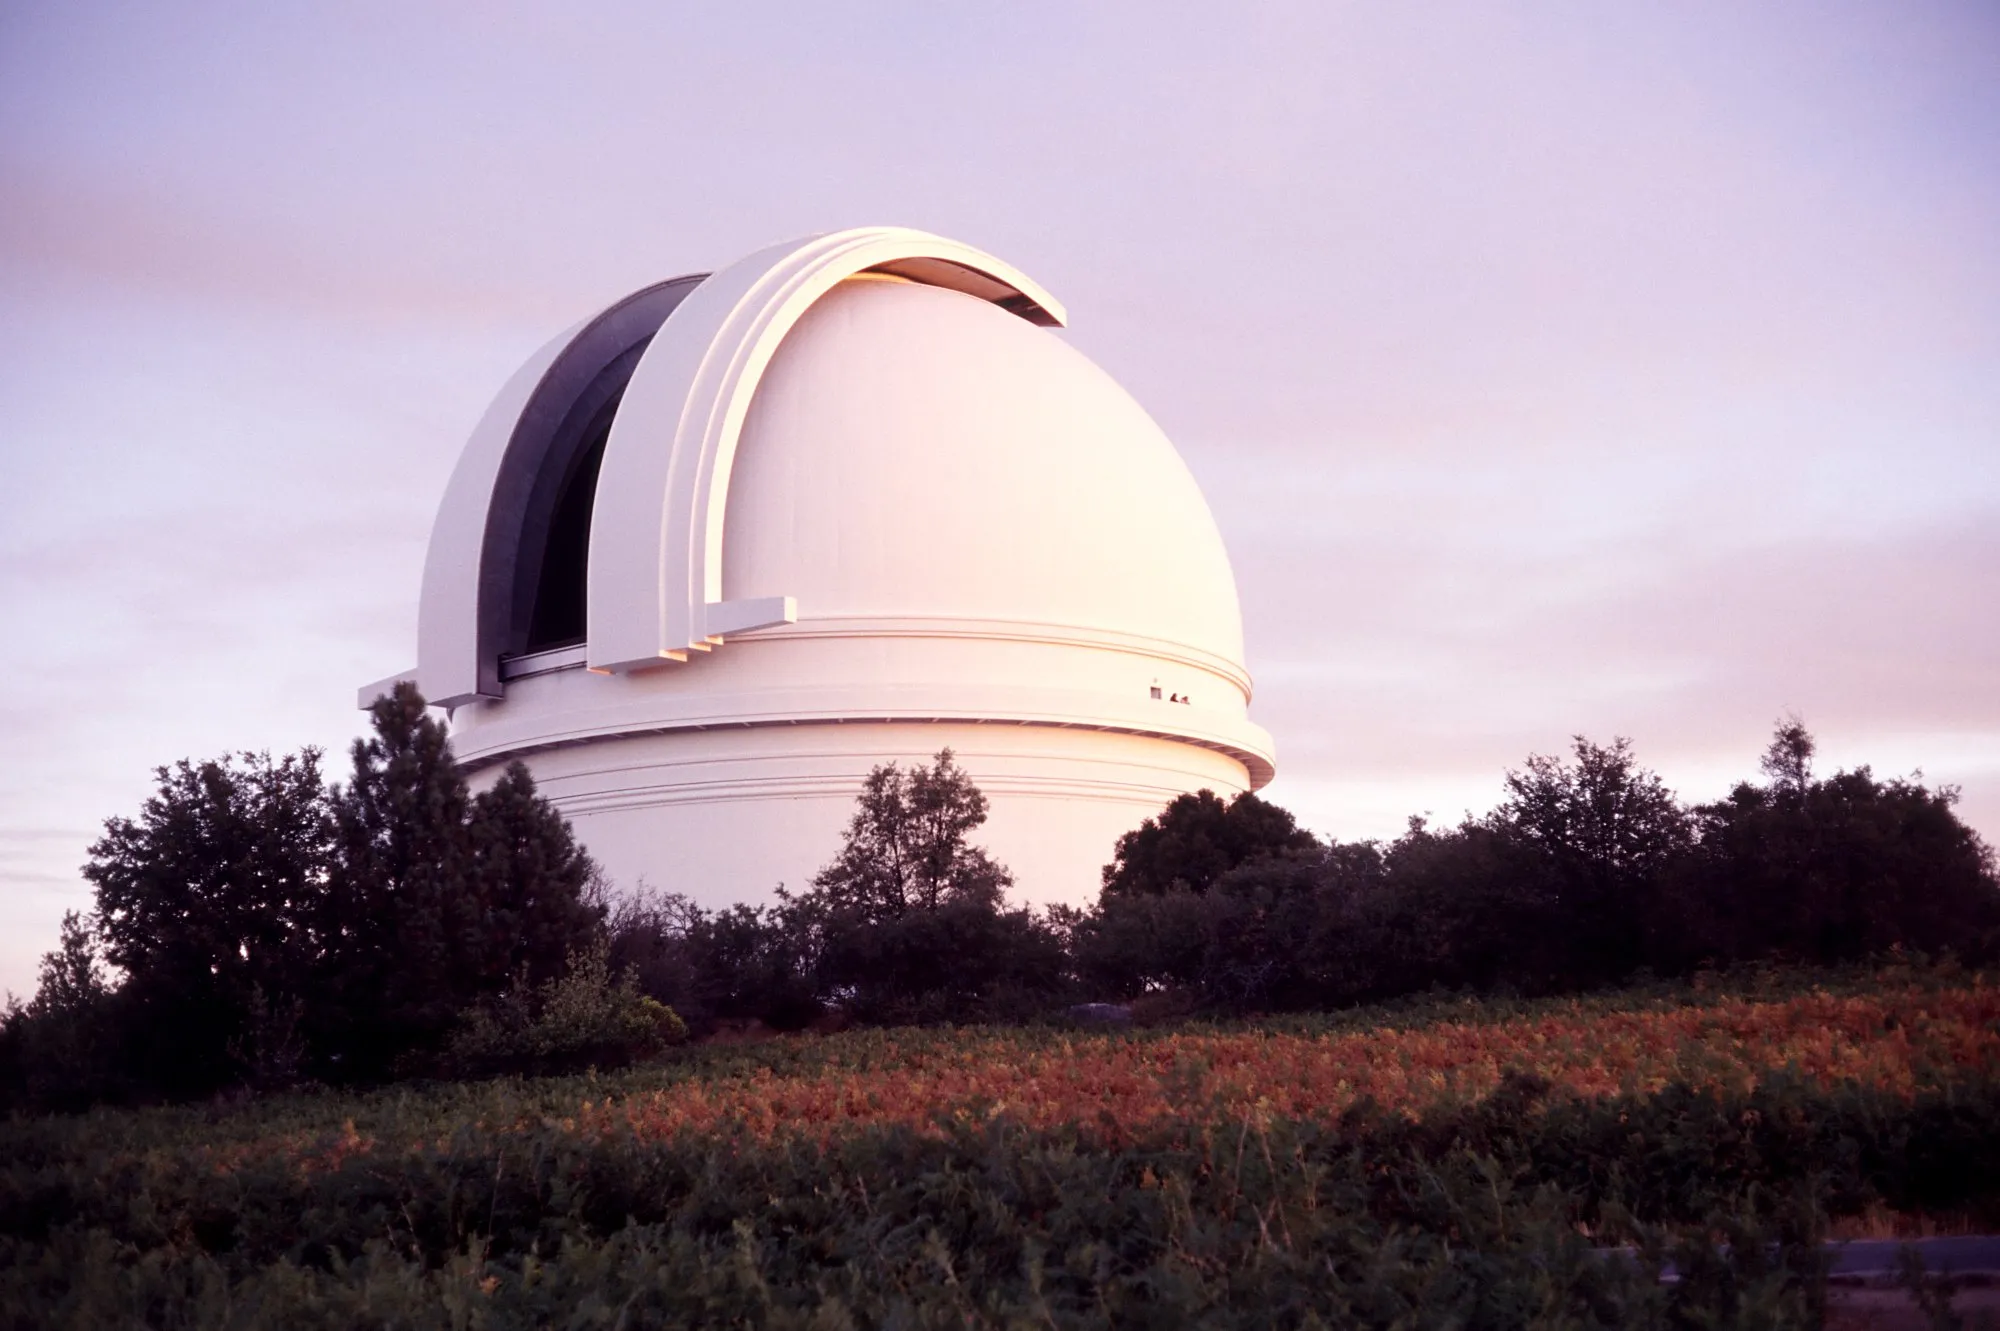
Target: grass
{"points": [[1440, 1162]]}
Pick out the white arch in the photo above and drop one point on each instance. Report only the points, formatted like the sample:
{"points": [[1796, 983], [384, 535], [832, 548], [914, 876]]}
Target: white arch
{"points": [[655, 570], [464, 614]]}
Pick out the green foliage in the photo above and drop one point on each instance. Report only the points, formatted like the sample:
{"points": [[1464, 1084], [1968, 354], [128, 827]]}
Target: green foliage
{"points": [[737, 964], [1834, 870], [436, 899], [480, 1206], [1592, 841], [587, 1017], [1588, 873], [265, 928], [964, 960], [909, 922], [742, 963], [404, 936], [60, 1048], [1197, 838], [209, 904], [906, 847]]}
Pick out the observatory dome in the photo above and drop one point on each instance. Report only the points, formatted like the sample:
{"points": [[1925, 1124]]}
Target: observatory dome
{"points": [[718, 551], [915, 451]]}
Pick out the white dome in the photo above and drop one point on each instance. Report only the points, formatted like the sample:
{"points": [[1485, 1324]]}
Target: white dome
{"points": [[914, 451], [848, 501]]}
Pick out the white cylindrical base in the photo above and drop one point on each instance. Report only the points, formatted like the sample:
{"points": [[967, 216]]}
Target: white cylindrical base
{"points": [[727, 815]]}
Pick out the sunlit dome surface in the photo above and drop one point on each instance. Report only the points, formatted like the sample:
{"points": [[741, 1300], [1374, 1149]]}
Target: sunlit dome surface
{"points": [[917, 451], [716, 552]]}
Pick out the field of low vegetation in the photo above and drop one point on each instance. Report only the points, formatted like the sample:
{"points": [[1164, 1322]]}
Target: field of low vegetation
{"points": [[1901, 1038], [1439, 1162]]}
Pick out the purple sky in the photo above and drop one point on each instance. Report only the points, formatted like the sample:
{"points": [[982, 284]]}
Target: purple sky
{"points": [[1624, 369]]}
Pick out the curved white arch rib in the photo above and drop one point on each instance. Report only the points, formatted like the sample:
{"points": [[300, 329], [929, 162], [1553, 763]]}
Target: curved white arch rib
{"points": [[655, 567], [448, 636]]}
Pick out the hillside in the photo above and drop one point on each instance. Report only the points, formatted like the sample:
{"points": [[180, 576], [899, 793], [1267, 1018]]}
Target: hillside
{"points": [[1448, 1161]]}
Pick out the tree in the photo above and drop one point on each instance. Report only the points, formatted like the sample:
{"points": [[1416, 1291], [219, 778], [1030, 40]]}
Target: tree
{"points": [[438, 899], [1788, 760], [968, 958], [1604, 818], [1834, 870], [400, 904], [71, 979], [740, 963], [262, 921], [58, 1049], [909, 922], [532, 886], [209, 904], [906, 846], [1197, 838], [1600, 833]]}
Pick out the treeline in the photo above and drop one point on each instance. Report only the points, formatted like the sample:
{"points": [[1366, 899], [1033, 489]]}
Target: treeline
{"points": [[266, 928], [1590, 873]]}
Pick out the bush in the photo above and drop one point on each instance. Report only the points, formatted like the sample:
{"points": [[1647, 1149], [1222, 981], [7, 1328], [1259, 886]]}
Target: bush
{"points": [[745, 963], [965, 960], [586, 1018], [1831, 871], [1588, 874], [515, 1204]]}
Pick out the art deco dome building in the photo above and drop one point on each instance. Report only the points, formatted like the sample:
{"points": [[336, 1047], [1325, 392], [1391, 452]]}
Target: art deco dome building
{"points": [[715, 552]]}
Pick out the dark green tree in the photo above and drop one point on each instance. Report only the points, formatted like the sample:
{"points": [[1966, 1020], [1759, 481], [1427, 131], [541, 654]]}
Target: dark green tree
{"points": [[910, 922], [71, 981], [740, 963], [401, 905], [1593, 839], [59, 1050], [1198, 838], [1834, 870], [438, 899], [533, 886], [968, 958], [906, 846], [209, 903], [1788, 760], [1455, 907]]}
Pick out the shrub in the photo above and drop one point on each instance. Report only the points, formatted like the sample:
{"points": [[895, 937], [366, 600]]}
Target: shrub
{"points": [[585, 1018], [965, 960], [1834, 870], [745, 963]]}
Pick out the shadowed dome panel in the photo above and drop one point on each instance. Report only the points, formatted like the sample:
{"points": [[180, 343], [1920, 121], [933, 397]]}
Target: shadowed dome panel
{"points": [[914, 452]]}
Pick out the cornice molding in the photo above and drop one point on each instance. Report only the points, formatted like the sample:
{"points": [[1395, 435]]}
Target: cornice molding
{"points": [[500, 738]]}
